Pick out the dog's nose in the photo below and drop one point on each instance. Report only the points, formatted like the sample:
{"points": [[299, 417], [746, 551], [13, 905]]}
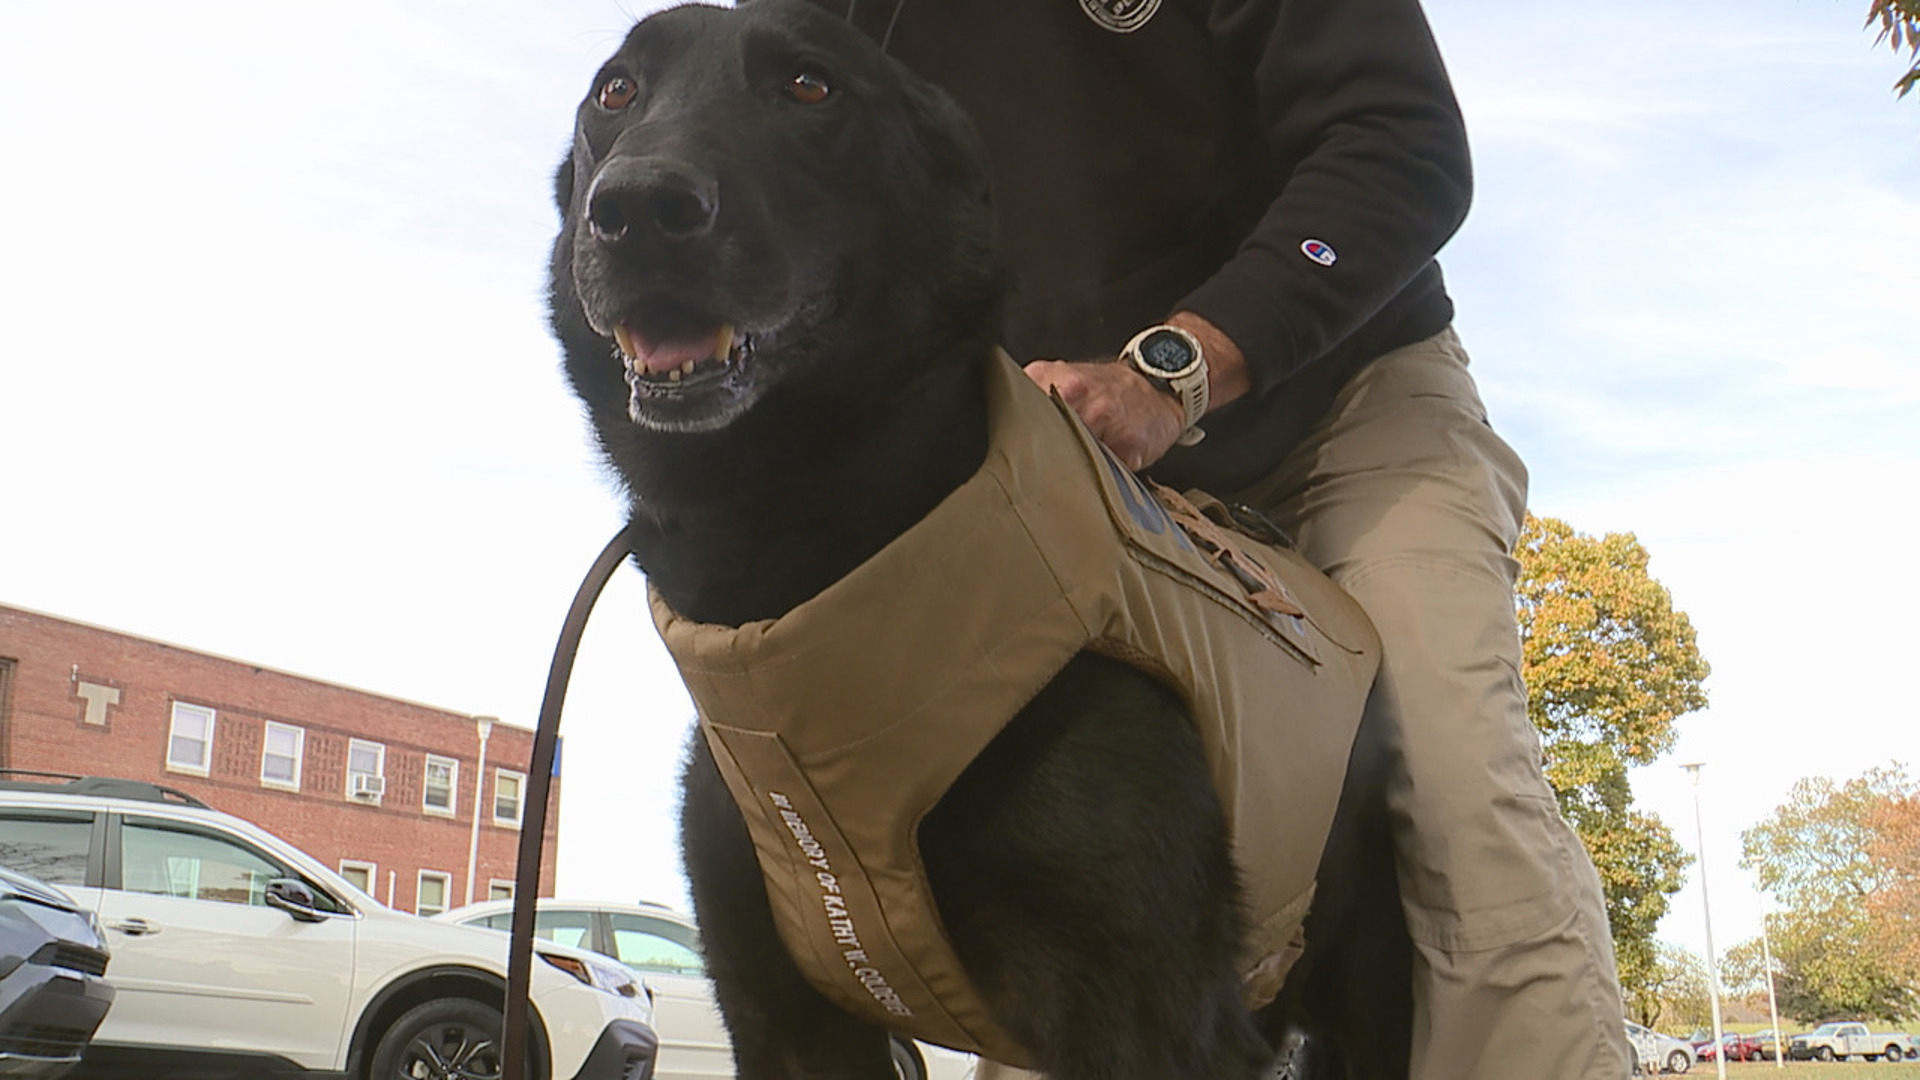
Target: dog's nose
{"points": [[665, 200]]}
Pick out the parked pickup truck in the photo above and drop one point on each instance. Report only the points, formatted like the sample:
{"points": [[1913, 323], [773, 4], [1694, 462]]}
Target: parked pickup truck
{"points": [[1839, 1041]]}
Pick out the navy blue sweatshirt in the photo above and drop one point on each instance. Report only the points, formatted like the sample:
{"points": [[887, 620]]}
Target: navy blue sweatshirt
{"points": [[1286, 169]]}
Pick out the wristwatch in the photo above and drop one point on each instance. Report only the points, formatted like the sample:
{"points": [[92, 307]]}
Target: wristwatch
{"points": [[1173, 359]]}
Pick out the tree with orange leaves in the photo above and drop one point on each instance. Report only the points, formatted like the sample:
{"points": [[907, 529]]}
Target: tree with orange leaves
{"points": [[1611, 665], [1895, 844], [1900, 28], [1839, 860]]}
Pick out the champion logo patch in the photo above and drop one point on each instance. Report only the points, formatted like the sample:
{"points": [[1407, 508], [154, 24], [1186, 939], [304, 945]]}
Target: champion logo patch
{"points": [[1319, 251], [1120, 16]]}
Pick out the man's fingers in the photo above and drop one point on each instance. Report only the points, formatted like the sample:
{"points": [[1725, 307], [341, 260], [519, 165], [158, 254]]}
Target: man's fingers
{"points": [[1133, 418], [1062, 378]]}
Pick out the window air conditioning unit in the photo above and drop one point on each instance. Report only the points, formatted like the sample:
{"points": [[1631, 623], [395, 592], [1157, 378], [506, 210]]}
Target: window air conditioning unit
{"points": [[366, 786]]}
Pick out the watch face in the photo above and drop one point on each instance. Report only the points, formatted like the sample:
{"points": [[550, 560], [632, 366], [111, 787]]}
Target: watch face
{"points": [[1164, 350]]}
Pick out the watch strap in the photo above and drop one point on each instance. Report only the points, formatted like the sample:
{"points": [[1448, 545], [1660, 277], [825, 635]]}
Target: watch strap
{"points": [[1194, 395]]}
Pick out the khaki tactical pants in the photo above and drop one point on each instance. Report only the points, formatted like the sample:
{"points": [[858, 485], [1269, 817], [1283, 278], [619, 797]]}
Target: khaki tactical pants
{"points": [[1406, 497]]}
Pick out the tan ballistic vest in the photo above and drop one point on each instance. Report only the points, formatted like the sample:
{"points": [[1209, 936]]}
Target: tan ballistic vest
{"points": [[841, 724]]}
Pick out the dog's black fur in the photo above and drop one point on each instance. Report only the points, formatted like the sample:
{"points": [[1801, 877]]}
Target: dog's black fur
{"points": [[768, 168]]}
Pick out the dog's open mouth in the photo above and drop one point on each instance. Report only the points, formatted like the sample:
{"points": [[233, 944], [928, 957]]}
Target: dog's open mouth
{"points": [[668, 348], [673, 353]]}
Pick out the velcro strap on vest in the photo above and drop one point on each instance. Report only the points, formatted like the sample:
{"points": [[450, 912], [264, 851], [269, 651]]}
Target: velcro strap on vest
{"points": [[1225, 550]]}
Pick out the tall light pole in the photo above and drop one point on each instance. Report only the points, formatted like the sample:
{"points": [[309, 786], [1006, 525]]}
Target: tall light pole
{"points": [[1773, 1010], [1713, 963], [483, 727]]}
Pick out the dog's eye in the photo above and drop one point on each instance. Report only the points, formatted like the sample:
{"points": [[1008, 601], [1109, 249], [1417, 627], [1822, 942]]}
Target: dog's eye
{"points": [[808, 87], [617, 93]]}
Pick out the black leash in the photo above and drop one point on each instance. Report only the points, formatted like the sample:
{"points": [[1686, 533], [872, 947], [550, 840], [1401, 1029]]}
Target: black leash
{"points": [[516, 1023]]}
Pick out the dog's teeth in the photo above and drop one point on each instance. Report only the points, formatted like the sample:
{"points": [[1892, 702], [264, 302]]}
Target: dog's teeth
{"points": [[623, 337], [723, 343], [676, 374], [685, 369]]}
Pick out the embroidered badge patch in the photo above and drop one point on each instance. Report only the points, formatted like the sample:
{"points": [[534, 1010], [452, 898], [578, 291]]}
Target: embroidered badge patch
{"points": [[1120, 16], [1319, 251]]}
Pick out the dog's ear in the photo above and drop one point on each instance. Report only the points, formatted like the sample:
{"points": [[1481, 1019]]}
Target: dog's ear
{"points": [[947, 133], [563, 184]]}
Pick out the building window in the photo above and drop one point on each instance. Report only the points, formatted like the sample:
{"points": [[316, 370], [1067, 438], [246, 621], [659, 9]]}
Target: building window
{"points": [[499, 890], [280, 755], [359, 874], [507, 786], [366, 770], [190, 740], [442, 780], [432, 897]]}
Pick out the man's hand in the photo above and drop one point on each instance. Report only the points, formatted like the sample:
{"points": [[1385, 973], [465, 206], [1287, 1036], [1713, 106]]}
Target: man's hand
{"points": [[1124, 409], [1136, 420]]}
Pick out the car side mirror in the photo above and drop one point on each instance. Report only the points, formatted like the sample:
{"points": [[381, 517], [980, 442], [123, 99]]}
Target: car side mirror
{"points": [[292, 896]]}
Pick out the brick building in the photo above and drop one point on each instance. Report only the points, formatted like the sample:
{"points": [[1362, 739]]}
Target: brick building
{"points": [[381, 789]]}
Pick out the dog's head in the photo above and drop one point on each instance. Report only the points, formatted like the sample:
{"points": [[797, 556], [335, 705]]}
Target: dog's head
{"points": [[761, 211]]}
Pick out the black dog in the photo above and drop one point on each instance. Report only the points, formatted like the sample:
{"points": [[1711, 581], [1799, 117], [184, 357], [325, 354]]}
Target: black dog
{"points": [[775, 283]]}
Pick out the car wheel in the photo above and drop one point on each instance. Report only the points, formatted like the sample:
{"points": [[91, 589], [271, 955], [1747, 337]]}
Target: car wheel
{"points": [[1679, 1061], [1895, 1055], [906, 1061], [1825, 1053], [444, 1039]]}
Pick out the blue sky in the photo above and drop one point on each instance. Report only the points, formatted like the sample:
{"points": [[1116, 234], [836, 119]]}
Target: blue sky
{"points": [[276, 382]]}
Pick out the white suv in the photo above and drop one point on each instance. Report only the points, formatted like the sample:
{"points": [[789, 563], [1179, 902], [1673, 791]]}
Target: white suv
{"points": [[236, 954], [1665, 1052]]}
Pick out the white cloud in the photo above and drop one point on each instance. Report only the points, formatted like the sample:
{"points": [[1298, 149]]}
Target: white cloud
{"points": [[1865, 367]]}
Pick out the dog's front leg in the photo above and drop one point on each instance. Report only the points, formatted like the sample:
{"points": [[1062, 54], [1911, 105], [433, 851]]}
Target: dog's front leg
{"points": [[782, 1028]]}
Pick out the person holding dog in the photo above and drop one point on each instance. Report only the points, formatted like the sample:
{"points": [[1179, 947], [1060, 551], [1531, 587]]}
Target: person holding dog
{"points": [[1237, 205]]}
